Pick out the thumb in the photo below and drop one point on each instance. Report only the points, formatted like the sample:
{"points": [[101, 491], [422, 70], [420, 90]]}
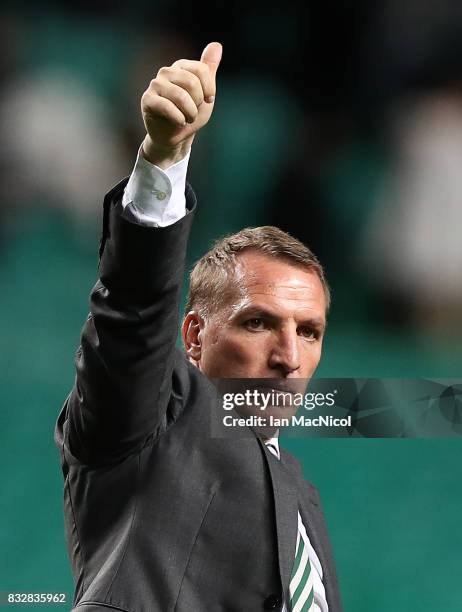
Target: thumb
{"points": [[211, 56]]}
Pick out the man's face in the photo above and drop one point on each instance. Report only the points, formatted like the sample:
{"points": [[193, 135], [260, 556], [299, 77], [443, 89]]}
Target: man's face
{"points": [[272, 328]]}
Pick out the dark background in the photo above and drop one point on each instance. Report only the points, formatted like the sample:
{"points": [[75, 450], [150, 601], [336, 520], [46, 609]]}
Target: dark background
{"points": [[339, 122]]}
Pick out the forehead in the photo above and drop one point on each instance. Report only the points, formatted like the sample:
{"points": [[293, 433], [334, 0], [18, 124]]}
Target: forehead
{"points": [[268, 280]]}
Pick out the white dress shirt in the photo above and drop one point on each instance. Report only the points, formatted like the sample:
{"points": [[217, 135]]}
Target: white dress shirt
{"points": [[156, 198]]}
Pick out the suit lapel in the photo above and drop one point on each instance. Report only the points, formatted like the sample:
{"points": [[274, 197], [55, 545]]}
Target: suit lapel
{"points": [[315, 525], [310, 511], [286, 511]]}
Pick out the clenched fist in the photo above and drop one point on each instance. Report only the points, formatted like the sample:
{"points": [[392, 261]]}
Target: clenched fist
{"points": [[177, 103]]}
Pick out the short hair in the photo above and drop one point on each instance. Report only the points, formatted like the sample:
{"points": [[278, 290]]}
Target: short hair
{"points": [[209, 282]]}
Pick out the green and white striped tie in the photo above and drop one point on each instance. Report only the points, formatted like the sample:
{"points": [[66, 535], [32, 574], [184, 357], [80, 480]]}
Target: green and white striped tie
{"points": [[301, 583]]}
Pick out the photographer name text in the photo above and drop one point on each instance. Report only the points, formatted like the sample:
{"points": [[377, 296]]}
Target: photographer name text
{"points": [[294, 421]]}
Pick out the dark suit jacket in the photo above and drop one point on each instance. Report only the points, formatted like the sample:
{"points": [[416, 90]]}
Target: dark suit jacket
{"points": [[159, 514]]}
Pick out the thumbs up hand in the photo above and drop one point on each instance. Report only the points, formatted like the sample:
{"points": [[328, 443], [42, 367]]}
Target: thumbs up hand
{"points": [[177, 104]]}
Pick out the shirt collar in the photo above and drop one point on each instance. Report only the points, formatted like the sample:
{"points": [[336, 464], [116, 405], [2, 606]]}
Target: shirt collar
{"points": [[272, 445]]}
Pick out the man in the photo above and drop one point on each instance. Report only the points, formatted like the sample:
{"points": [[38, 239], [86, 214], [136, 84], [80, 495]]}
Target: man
{"points": [[161, 515]]}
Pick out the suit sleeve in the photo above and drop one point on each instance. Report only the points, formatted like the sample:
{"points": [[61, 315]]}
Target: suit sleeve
{"points": [[125, 360]]}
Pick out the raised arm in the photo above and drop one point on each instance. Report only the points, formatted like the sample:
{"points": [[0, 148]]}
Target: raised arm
{"points": [[124, 364]]}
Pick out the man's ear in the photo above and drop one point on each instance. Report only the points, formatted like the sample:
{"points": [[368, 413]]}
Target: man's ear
{"points": [[191, 329]]}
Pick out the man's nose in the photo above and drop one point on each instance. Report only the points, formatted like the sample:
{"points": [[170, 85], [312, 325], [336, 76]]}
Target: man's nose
{"points": [[285, 354]]}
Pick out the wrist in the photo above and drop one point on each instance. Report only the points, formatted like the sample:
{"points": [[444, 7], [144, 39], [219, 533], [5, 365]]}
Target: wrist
{"points": [[164, 157]]}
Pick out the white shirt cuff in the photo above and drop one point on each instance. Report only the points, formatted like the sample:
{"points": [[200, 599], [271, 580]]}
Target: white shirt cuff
{"points": [[155, 197]]}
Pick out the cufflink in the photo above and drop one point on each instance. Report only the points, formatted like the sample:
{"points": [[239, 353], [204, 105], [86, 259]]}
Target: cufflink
{"points": [[160, 195]]}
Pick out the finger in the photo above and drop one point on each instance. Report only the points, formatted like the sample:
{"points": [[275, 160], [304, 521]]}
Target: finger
{"points": [[211, 56], [179, 96], [186, 80], [156, 106], [202, 71]]}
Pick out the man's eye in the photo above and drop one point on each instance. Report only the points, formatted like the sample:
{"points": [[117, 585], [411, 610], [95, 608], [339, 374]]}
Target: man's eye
{"points": [[255, 323], [308, 333]]}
